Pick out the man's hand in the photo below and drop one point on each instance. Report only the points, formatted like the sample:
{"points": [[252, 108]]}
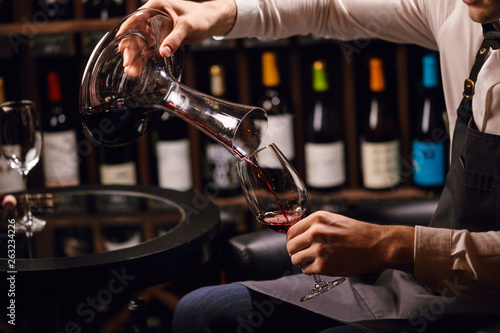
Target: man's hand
{"points": [[194, 21], [335, 245]]}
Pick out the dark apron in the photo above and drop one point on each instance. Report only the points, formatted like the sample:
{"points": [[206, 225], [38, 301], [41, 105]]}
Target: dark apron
{"points": [[471, 196], [393, 301]]}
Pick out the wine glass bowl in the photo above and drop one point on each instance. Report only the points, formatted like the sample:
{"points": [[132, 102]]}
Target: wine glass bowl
{"points": [[21, 142], [274, 192], [277, 197], [127, 85], [21, 138]]}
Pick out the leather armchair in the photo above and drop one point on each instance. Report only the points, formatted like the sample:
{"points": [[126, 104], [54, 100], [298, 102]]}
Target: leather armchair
{"points": [[262, 255]]}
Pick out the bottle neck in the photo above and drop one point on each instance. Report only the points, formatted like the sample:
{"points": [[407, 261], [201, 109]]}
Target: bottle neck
{"points": [[54, 88], [320, 79], [217, 81], [377, 79], [270, 73]]}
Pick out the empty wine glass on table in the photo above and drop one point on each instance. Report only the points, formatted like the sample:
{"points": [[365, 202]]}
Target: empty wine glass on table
{"points": [[277, 197], [21, 143]]}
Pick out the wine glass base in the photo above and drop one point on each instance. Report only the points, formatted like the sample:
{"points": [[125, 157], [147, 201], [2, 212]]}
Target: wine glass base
{"points": [[30, 225], [321, 288]]}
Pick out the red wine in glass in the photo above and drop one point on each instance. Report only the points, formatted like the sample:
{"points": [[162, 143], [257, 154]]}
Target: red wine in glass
{"points": [[280, 221]]}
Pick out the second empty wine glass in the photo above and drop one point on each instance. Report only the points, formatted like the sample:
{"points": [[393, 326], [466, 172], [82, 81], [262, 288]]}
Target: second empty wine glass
{"points": [[278, 197], [21, 142]]}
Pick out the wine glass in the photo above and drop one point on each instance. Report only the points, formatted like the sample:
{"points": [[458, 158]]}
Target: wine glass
{"points": [[278, 197], [21, 143]]}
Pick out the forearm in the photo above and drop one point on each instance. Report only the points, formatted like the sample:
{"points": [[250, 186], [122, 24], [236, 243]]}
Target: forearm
{"points": [[224, 22], [396, 248]]}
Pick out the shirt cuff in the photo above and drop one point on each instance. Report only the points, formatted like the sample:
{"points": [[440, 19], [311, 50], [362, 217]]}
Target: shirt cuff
{"points": [[432, 257], [246, 11]]}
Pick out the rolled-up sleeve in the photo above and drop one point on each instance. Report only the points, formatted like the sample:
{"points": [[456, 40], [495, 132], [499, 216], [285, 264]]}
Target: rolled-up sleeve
{"points": [[470, 261]]}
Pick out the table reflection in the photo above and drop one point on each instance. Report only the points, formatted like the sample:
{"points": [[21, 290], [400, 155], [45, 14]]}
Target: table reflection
{"points": [[81, 222], [95, 235]]}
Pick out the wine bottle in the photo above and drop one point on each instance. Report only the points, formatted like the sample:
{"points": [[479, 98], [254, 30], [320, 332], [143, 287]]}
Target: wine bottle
{"points": [[173, 154], [324, 146], [380, 147], [220, 172], [73, 241], [6, 11], [60, 152], [116, 8], [117, 165], [121, 237], [430, 142], [104, 9], [280, 126], [10, 180], [54, 10], [138, 316]]}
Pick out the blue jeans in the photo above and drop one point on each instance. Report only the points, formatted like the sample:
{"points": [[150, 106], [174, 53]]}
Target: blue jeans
{"points": [[236, 308]]}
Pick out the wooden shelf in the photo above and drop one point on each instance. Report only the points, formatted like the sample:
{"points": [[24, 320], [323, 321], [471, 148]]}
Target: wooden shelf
{"points": [[70, 26], [352, 196]]}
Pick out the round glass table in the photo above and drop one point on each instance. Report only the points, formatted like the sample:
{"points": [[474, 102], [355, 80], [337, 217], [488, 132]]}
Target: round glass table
{"points": [[102, 243]]}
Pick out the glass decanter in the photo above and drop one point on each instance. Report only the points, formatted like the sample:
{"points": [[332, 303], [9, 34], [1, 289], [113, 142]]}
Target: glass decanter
{"points": [[127, 85]]}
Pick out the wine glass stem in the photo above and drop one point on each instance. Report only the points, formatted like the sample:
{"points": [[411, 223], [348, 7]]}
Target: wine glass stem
{"points": [[27, 211], [318, 280]]}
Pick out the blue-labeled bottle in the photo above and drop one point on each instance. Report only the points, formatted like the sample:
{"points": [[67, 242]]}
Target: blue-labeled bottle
{"points": [[430, 144]]}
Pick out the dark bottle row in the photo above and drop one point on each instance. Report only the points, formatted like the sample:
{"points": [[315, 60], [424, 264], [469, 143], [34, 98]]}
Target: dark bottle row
{"points": [[346, 120], [51, 10], [321, 121]]}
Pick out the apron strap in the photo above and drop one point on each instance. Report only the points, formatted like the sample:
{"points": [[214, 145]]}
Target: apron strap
{"points": [[464, 110], [470, 82]]}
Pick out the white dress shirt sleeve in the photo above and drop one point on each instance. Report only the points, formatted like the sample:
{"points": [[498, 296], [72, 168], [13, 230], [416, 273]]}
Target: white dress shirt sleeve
{"points": [[398, 21], [468, 261]]}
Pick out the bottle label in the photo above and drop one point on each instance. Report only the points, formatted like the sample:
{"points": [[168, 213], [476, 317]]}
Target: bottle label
{"points": [[325, 164], [60, 159], [135, 239], [174, 165], [10, 179], [222, 166], [118, 174], [428, 159], [380, 164], [279, 132]]}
